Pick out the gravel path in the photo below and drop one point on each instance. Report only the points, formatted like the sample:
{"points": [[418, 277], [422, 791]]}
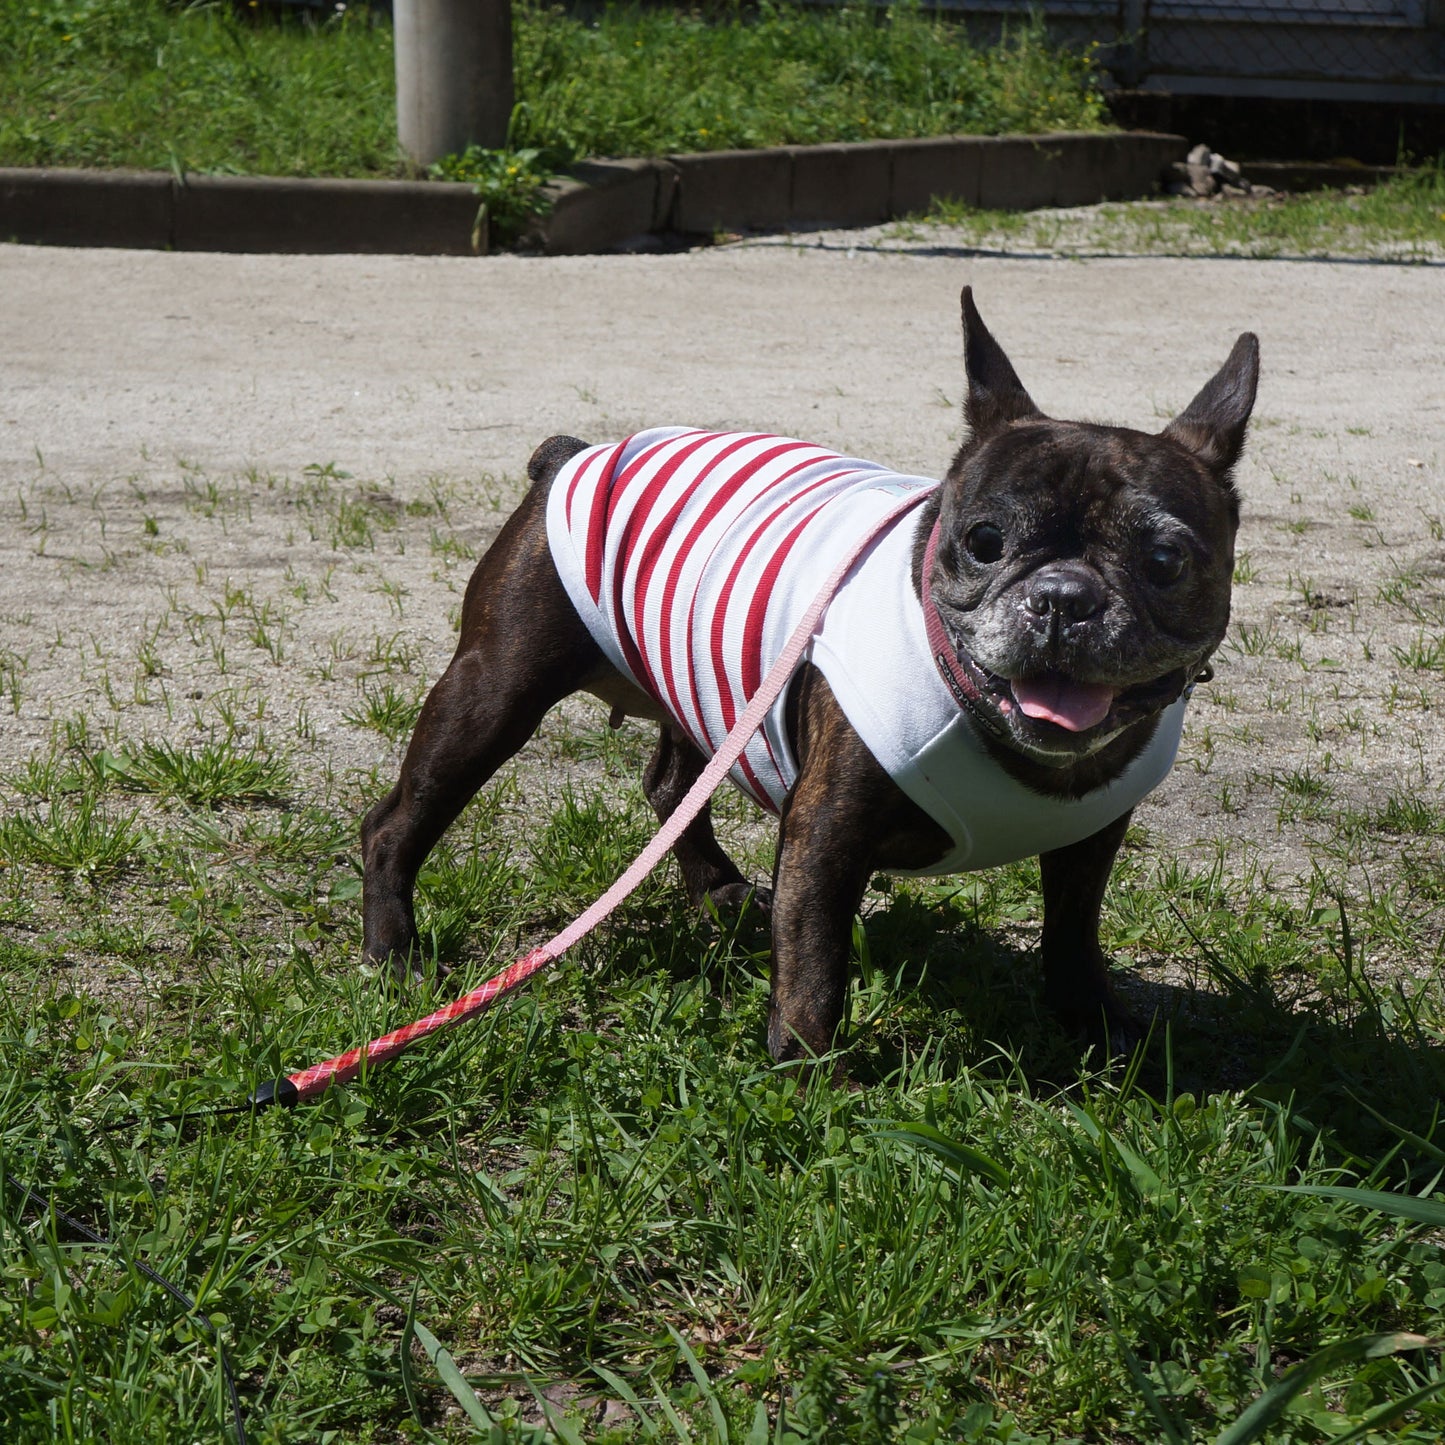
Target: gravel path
{"points": [[159, 414]]}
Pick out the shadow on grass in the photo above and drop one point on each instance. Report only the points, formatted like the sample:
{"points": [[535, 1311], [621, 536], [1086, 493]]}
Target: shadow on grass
{"points": [[1359, 1069]]}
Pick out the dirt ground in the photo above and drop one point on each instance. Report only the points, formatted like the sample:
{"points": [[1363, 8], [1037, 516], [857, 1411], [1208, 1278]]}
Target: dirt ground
{"points": [[252, 482]]}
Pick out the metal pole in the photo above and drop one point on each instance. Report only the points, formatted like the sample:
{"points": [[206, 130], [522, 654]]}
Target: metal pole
{"points": [[453, 75]]}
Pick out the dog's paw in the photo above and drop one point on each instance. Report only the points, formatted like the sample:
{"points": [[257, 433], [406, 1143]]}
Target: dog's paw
{"points": [[1116, 1035], [405, 969], [734, 899], [1104, 1026]]}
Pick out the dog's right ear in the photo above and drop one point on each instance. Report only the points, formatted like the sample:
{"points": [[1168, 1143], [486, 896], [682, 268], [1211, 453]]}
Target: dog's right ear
{"points": [[1212, 426], [996, 396]]}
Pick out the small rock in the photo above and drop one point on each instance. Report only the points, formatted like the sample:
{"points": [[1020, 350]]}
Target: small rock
{"points": [[1201, 179], [616, 1414], [1227, 171]]}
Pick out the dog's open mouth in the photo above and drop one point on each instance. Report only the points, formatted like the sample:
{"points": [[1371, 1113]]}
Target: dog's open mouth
{"points": [[1043, 710], [1050, 707], [1052, 698]]}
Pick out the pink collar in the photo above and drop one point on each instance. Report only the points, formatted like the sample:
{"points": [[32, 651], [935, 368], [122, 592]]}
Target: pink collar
{"points": [[964, 689]]}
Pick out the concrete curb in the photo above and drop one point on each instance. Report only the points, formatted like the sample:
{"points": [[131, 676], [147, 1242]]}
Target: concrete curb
{"points": [[153, 210], [854, 184], [603, 205]]}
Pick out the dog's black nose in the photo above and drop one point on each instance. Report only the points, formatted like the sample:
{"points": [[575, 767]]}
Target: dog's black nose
{"points": [[1069, 592]]}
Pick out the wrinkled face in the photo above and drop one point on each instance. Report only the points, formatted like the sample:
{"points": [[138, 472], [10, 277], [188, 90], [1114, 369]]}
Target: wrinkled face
{"points": [[1082, 574]]}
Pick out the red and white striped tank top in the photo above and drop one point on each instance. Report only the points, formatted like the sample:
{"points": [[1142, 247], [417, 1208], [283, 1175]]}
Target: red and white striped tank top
{"points": [[691, 556]]}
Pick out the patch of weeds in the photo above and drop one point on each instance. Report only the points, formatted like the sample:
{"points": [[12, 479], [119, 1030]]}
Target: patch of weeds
{"points": [[196, 87], [451, 548], [1402, 219], [219, 771], [621, 751], [469, 896], [305, 836], [1409, 814], [387, 709], [1256, 639], [510, 183], [1423, 653], [1305, 793], [393, 654], [586, 845], [79, 835], [638, 81]]}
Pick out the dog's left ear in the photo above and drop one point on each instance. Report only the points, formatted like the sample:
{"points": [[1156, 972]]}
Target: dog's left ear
{"points": [[1212, 426], [996, 396]]}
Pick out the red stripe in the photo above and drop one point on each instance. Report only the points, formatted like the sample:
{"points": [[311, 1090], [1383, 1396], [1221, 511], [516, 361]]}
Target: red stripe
{"points": [[722, 493], [640, 522], [597, 521], [608, 490], [706, 744], [752, 668], [579, 471], [719, 619]]}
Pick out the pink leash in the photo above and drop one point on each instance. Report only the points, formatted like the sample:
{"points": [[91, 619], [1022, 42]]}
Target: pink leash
{"points": [[311, 1083]]}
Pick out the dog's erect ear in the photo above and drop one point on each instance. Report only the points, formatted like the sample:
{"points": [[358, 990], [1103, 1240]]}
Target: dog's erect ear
{"points": [[995, 394], [1212, 426]]}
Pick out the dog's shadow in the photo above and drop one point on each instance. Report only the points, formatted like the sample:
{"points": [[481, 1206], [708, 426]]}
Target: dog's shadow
{"points": [[1362, 1071]]}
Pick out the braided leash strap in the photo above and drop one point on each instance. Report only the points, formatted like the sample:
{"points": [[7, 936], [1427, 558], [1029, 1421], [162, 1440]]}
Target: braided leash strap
{"points": [[311, 1083]]}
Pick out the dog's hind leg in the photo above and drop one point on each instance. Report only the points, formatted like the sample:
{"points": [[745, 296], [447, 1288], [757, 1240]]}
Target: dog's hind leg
{"points": [[707, 872], [522, 649]]}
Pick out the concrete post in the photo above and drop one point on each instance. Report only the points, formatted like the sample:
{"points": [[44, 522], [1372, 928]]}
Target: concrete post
{"points": [[453, 75]]}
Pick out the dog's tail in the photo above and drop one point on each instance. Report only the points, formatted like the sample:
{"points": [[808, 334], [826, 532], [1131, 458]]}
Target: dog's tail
{"points": [[549, 458]]}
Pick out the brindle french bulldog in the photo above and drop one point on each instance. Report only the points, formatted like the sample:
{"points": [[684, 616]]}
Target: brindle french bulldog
{"points": [[1053, 603]]}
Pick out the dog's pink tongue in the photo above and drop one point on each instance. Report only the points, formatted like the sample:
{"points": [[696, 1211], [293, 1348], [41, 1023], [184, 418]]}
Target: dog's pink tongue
{"points": [[1077, 706]]}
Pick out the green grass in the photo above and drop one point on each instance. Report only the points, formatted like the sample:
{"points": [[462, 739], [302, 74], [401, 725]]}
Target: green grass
{"points": [[604, 1192], [642, 82], [1401, 219], [599, 1213], [193, 87]]}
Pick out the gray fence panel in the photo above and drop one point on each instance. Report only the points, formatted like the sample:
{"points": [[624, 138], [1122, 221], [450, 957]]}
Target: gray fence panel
{"points": [[1368, 50]]}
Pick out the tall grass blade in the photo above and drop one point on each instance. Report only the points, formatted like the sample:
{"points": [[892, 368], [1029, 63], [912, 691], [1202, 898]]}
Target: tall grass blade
{"points": [[628, 1396], [1403, 1206], [758, 1432], [564, 1429], [1146, 1181], [719, 1420], [1386, 1414], [1271, 1405], [962, 1159], [1426, 1146], [452, 1377]]}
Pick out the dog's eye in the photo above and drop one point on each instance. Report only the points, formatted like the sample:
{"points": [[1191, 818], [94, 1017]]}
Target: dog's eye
{"points": [[984, 542], [1164, 565]]}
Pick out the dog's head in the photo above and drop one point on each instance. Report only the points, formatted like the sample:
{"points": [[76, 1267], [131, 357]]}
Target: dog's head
{"points": [[1082, 572]]}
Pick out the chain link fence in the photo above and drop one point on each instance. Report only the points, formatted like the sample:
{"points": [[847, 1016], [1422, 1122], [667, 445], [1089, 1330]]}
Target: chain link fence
{"points": [[1358, 50]]}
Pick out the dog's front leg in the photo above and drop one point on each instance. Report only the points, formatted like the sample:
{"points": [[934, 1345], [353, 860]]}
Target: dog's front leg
{"points": [[844, 819], [822, 869], [1076, 968]]}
